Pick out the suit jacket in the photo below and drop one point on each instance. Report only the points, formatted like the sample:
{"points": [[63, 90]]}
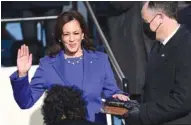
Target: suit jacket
{"points": [[98, 78], [167, 90]]}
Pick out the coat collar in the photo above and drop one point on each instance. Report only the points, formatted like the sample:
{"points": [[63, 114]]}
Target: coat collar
{"points": [[174, 42], [86, 53], [177, 38]]}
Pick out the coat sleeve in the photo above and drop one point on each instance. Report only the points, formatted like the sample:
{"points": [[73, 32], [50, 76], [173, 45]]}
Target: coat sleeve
{"points": [[178, 102], [25, 93], [110, 86]]}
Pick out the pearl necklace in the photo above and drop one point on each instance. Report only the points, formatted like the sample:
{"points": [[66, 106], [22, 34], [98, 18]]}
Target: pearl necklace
{"points": [[73, 62]]}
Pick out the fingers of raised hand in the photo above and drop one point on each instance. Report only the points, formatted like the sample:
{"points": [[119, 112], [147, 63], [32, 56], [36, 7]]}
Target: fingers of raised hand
{"points": [[30, 59], [23, 51]]}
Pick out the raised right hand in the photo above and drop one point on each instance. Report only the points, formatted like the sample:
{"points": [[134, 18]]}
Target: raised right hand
{"points": [[24, 61]]}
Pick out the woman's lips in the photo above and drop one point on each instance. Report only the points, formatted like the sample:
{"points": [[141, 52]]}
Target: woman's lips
{"points": [[72, 45]]}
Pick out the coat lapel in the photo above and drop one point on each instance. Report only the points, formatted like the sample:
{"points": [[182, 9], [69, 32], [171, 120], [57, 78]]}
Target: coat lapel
{"points": [[89, 58], [58, 65]]}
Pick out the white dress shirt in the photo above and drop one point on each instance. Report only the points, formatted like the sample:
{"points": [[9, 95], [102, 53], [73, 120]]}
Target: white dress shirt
{"points": [[170, 36]]}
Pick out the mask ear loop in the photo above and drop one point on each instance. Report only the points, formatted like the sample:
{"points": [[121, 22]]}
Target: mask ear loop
{"points": [[160, 22], [158, 27]]}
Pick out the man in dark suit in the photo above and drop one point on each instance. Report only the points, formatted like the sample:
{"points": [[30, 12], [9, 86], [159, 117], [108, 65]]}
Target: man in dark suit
{"points": [[167, 90]]}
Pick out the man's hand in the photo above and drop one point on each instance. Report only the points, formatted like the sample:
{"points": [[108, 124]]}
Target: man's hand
{"points": [[133, 116]]}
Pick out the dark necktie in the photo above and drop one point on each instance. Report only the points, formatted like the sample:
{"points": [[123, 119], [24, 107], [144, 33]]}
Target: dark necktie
{"points": [[159, 46]]}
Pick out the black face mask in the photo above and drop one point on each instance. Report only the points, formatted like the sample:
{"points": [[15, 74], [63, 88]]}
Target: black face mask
{"points": [[148, 32]]}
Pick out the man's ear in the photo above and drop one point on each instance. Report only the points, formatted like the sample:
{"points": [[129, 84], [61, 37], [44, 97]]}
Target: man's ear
{"points": [[161, 17]]}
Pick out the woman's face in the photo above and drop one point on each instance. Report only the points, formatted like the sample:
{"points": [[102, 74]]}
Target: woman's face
{"points": [[72, 37]]}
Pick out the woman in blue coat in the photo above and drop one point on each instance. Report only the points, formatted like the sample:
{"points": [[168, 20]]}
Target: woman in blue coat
{"points": [[71, 60]]}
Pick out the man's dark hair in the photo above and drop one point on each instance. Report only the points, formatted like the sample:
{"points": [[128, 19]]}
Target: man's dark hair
{"points": [[169, 8], [63, 103]]}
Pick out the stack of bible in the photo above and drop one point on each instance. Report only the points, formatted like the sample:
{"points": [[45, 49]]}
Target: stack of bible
{"points": [[117, 107]]}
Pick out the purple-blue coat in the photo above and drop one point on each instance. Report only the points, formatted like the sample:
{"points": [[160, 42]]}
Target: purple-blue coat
{"points": [[98, 79]]}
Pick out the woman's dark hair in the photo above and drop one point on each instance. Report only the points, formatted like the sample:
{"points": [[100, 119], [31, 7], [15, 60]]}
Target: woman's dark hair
{"points": [[63, 103], [62, 19]]}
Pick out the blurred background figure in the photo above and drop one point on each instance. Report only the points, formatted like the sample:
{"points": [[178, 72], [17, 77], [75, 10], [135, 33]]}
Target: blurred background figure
{"points": [[122, 24], [184, 13], [23, 9]]}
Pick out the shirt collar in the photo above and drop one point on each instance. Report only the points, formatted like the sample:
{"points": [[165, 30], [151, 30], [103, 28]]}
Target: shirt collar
{"points": [[170, 36]]}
